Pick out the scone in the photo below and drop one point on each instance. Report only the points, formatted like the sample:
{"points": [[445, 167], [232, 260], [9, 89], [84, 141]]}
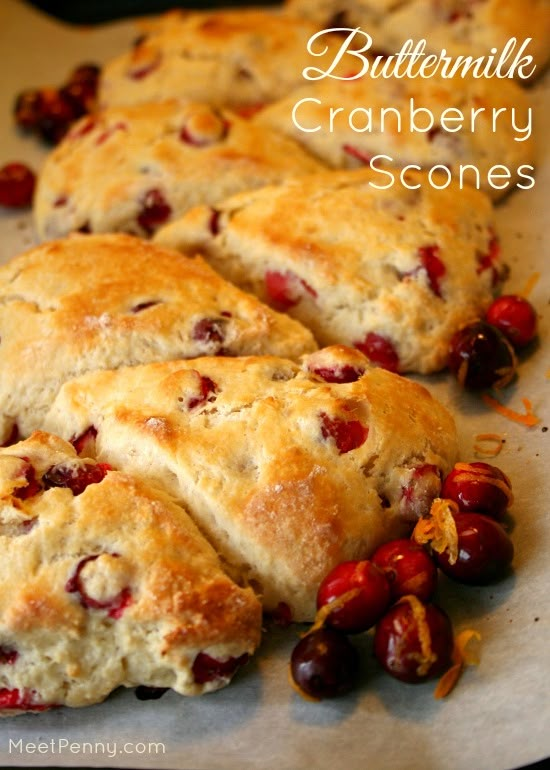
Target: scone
{"points": [[392, 272], [101, 301], [347, 124], [461, 27], [132, 169], [287, 469], [237, 58], [107, 582]]}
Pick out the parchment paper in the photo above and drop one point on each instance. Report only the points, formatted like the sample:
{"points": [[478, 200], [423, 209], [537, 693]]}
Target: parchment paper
{"points": [[499, 715]]}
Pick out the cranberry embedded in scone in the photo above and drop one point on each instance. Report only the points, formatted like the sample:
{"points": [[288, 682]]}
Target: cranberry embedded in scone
{"points": [[347, 434], [286, 289], [78, 583], [208, 669], [423, 487], [32, 487], [208, 389], [155, 211], [380, 351], [487, 261], [339, 373], [431, 262], [75, 479], [85, 442], [8, 656], [26, 700]]}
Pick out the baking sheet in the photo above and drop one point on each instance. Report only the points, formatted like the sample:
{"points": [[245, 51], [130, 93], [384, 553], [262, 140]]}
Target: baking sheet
{"points": [[499, 715]]}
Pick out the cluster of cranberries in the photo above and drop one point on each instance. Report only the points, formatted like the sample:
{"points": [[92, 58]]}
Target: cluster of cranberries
{"points": [[393, 591], [483, 353]]}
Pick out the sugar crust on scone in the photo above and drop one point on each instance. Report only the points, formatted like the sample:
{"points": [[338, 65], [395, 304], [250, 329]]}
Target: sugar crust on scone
{"points": [[287, 469], [101, 301], [112, 586]]}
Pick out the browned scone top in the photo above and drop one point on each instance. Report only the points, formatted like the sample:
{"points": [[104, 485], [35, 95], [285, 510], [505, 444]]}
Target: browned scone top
{"points": [[106, 582], [99, 302], [287, 469]]}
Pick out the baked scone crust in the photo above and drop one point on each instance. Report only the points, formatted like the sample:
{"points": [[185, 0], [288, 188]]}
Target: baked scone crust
{"points": [[286, 472], [130, 169], [409, 265], [90, 302], [150, 593]]}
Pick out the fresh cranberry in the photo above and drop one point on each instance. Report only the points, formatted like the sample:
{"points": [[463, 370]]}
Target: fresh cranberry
{"points": [[57, 112], [25, 700], [324, 664], [85, 442], [286, 289], [27, 109], [355, 152], [207, 390], [8, 656], [208, 669], [155, 211], [347, 434], [369, 596], [478, 488], [515, 317], [82, 86], [431, 262], [115, 606], [490, 259], [408, 567], [481, 357], [75, 479], [380, 351], [33, 486], [485, 551], [17, 183], [142, 692], [338, 373], [414, 641]]}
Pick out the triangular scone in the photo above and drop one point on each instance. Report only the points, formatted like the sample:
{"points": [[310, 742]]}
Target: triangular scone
{"points": [[99, 302], [287, 469], [393, 272], [131, 169], [106, 583]]}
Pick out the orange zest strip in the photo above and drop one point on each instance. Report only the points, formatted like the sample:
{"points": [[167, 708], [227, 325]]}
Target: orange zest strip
{"points": [[427, 656], [438, 528], [327, 609], [464, 654], [530, 285], [529, 419], [495, 439]]}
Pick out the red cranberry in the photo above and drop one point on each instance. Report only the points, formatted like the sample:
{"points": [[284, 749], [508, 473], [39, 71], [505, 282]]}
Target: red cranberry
{"points": [[286, 289], [85, 442], [25, 700], [33, 486], [142, 692], [485, 551], [417, 497], [414, 641], [431, 262], [338, 373], [16, 185], [324, 664], [81, 88], [369, 596], [515, 317], [408, 567], [207, 390], [209, 330], [155, 211], [347, 434], [57, 112], [208, 669], [75, 479], [8, 656], [481, 357], [489, 260], [115, 606], [478, 488], [27, 109], [380, 351]]}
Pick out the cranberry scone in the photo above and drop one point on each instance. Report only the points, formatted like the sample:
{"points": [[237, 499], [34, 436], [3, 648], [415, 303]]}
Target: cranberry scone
{"points": [[132, 169], [392, 272], [350, 123], [238, 58], [461, 27], [287, 469], [107, 583], [101, 301]]}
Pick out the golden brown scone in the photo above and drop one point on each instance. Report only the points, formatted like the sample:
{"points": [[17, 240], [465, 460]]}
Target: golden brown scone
{"points": [[131, 169], [287, 469], [101, 301], [230, 57], [461, 27], [393, 272], [107, 582], [348, 124]]}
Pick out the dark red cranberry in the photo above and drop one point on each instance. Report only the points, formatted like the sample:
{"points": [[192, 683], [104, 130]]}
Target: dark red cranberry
{"points": [[355, 152], [33, 486], [380, 351], [102, 138], [347, 434], [210, 330], [286, 289], [214, 222], [408, 567], [155, 211], [57, 112], [478, 488], [481, 357], [75, 479], [414, 641], [27, 109], [8, 656], [82, 86], [208, 669], [431, 262], [324, 664], [142, 692], [338, 373], [26, 700], [485, 551], [85, 442], [115, 606], [207, 390], [490, 260], [369, 596], [515, 317], [17, 183]]}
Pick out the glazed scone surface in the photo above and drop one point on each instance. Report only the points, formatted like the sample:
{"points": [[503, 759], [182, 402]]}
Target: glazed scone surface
{"points": [[287, 469], [132, 169], [409, 266], [360, 130], [106, 584], [100, 301]]}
